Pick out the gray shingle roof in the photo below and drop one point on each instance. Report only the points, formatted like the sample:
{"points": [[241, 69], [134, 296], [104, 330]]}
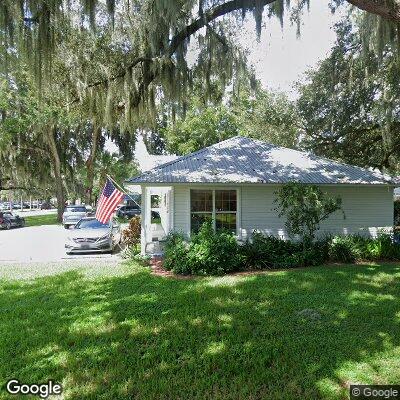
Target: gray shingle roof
{"points": [[244, 160]]}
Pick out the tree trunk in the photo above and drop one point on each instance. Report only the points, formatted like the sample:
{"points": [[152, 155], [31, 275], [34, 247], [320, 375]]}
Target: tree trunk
{"points": [[90, 164], [57, 173]]}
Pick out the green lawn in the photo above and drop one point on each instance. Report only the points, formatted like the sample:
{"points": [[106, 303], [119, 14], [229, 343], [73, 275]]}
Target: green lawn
{"points": [[303, 334], [36, 220]]}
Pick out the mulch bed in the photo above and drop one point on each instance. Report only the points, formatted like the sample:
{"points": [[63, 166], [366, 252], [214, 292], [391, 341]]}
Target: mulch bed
{"points": [[156, 265]]}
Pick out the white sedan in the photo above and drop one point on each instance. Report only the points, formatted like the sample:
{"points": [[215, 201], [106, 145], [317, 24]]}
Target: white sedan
{"points": [[90, 235]]}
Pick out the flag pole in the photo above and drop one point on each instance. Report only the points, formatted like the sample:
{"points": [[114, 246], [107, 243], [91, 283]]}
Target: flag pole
{"points": [[122, 189]]}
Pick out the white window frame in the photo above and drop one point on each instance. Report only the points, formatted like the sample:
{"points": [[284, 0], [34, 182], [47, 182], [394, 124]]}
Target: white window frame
{"points": [[214, 212], [201, 212]]}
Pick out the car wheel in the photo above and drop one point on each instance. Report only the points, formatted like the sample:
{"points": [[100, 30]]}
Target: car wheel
{"points": [[66, 226], [22, 224], [8, 225]]}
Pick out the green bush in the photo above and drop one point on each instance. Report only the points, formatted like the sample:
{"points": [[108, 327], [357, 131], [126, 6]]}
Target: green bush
{"points": [[384, 248], [264, 252], [342, 249], [208, 253], [270, 252], [175, 255], [133, 253], [349, 248], [211, 253]]}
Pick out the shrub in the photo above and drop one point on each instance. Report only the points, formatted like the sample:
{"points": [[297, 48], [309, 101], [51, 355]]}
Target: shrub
{"points": [[355, 247], [270, 252], [131, 234], [130, 252], [320, 250], [208, 252], [384, 247], [342, 249], [211, 253], [266, 251], [175, 254]]}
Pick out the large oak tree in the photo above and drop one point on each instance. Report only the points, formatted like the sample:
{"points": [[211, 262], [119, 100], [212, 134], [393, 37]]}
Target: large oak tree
{"points": [[117, 61]]}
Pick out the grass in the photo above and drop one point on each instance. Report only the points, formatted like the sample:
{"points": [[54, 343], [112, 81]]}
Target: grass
{"points": [[36, 220], [127, 334]]}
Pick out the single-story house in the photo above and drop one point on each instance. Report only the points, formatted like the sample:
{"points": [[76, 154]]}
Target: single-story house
{"points": [[233, 183]]}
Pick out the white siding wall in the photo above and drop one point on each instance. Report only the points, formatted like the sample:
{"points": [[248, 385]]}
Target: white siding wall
{"points": [[366, 208], [181, 209]]}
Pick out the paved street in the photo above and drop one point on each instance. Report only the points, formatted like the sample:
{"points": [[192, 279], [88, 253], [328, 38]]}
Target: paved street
{"points": [[40, 244]]}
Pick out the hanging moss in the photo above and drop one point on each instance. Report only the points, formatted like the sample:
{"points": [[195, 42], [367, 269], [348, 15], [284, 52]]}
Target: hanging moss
{"points": [[129, 96]]}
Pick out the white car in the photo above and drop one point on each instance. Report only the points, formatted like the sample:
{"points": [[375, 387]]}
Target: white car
{"points": [[90, 235], [73, 214]]}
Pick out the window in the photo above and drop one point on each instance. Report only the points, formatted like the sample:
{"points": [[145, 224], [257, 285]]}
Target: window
{"points": [[219, 206], [201, 207], [155, 201]]}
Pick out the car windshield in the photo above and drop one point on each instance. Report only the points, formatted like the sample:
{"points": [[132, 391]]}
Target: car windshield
{"points": [[75, 209], [91, 224]]}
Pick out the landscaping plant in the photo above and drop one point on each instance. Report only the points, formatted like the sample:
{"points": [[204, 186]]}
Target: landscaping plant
{"points": [[217, 253], [131, 234], [207, 253], [131, 238], [305, 207]]}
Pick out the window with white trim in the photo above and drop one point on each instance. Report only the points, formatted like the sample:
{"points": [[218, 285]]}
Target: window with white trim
{"points": [[219, 206]]}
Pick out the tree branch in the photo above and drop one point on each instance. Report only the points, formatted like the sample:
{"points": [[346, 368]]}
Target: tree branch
{"points": [[11, 186], [379, 7], [185, 33], [14, 188], [122, 73], [210, 15], [372, 6]]}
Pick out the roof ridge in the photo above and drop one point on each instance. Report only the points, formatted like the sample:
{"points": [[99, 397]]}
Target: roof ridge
{"points": [[240, 143], [186, 156]]}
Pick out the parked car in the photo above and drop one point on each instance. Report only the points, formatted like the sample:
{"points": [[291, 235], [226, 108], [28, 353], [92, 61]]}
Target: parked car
{"points": [[9, 220], [46, 205], [90, 235], [128, 211], [73, 214]]}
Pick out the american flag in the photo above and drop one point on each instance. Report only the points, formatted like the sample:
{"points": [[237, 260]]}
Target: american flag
{"points": [[109, 199]]}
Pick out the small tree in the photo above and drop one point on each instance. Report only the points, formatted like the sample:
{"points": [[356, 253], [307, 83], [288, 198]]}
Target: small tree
{"points": [[305, 207]]}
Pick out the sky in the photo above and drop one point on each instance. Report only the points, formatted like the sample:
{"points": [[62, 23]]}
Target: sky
{"points": [[280, 58]]}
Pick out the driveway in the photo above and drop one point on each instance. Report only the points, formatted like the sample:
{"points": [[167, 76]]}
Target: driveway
{"points": [[39, 244]]}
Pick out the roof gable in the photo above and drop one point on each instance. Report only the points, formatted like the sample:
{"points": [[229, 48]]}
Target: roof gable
{"points": [[245, 160]]}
